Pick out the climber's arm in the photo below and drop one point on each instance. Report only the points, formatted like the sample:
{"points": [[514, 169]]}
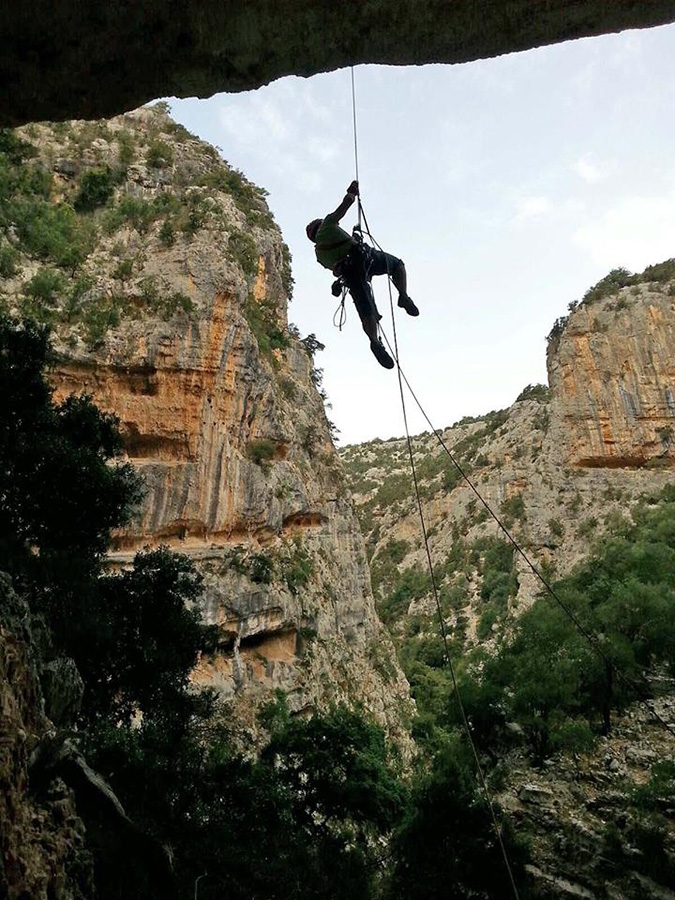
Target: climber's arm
{"points": [[347, 203]]}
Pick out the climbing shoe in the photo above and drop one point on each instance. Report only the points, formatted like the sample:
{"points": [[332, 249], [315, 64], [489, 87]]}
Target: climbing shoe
{"points": [[381, 354], [407, 304]]}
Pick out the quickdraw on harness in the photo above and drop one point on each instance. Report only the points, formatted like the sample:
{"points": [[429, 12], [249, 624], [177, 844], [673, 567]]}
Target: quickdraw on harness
{"points": [[339, 287]]}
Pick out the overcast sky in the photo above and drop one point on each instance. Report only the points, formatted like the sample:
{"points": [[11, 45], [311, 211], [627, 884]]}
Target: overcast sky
{"points": [[509, 186]]}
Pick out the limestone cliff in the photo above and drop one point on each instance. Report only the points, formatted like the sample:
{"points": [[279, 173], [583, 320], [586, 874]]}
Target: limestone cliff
{"points": [[558, 464], [612, 377], [173, 316]]}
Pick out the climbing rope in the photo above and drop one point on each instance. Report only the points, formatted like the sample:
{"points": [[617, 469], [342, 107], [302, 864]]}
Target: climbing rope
{"points": [[356, 142], [588, 635], [441, 621], [448, 660]]}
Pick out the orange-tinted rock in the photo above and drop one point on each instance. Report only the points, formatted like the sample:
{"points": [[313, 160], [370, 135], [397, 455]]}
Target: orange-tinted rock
{"points": [[612, 377]]}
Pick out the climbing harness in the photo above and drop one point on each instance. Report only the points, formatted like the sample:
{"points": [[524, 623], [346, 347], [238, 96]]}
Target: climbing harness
{"points": [[360, 255]]}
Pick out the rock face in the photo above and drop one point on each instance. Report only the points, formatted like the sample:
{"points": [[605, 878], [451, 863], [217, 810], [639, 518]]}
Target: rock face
{"points": [[58, 818], [73, 59], [612, 377], [556, 466], [43, 845], [588, 840], [176, 322]]}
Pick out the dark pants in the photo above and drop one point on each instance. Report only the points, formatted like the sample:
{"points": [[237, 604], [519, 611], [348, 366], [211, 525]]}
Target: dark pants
{"points": [[357, 270]]}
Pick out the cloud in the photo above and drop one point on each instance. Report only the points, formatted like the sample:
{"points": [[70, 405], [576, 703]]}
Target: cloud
{"points": [[528, 208], [284, 129], [591, 172], [253, 121], [635, 232]]}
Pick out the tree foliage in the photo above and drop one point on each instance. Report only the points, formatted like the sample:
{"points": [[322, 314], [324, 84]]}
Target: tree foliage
{"points": [[550, 676], [446, 845], [61, 492]]}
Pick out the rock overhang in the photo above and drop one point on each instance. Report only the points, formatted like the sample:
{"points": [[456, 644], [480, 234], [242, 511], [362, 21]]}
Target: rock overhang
{"points": [[85, 59]]}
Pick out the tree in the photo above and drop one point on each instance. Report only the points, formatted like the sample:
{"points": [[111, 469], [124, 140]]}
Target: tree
{"points": [[446, 844], [61, 492], [140, 637], [550, 677]]}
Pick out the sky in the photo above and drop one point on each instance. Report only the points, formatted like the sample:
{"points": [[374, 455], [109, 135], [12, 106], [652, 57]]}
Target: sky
{"points": [[509, 187]]}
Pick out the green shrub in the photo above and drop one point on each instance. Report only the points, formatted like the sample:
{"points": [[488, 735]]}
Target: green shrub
{"points": [[261, 452], [288, 388], [193, 214], [587, 527], [610, 284], [126, 148], [155, 296], [9, 258], [571, 735], [159, 154], [262, 319], [555, 526], [488, 617], [100, 314], [297, 566], [287, 279], [660, 272], [244, 251], [15, 148], [96, 187], [124, 269], [494, 559], [538, 392], [513, 509], [413, 584], [42, 295], [383, 565], [134, 211], [451, 476], [248, 197], [167, 233], [556, 332], [53, 232], [659, 792], [75, 299], [261, 568]]}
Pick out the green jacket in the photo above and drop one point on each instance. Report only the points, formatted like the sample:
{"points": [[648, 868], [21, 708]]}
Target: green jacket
{"points": [[332, 243]]}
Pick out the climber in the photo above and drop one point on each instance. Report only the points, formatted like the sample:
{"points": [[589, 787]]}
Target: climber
{"points": [[354, 263]]}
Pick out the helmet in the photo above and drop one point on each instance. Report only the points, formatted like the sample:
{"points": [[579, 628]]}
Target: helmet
{"points": [[312, 229]]}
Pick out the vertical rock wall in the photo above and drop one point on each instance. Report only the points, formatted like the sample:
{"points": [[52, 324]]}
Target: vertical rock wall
{"points": [[612, 377], [220, 412]]}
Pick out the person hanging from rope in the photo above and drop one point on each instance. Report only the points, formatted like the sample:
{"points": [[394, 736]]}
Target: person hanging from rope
{"points": [[355, 263]]}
